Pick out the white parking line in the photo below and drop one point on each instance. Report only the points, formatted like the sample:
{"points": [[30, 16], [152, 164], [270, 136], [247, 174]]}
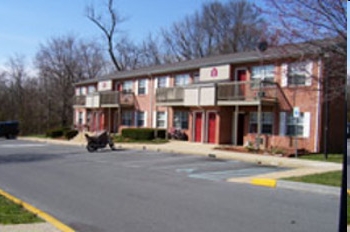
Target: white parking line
{"points": [[22, 145]]}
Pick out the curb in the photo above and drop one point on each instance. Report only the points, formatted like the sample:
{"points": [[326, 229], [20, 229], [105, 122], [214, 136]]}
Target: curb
{"points": [[48, 218], [300, 186], [264, 182]]}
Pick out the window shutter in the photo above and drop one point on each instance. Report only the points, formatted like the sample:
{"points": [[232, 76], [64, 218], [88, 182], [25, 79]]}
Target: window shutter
{"points": [[167, 81], [154, 119], [135, 118], [283, 119], [146, 86], [155, 83], [166, 120], [84, 117], [284, 75], [136, 87], [145, 119], [306, 132], [309, 73]]}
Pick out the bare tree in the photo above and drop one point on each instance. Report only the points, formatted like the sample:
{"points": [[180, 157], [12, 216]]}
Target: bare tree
{"points": [[108, 27], [61, 62], [218, 28]]}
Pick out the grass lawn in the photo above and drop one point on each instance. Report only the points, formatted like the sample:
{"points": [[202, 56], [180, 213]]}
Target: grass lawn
{"points": [[335, 158], [327, 178], [11, 213]]}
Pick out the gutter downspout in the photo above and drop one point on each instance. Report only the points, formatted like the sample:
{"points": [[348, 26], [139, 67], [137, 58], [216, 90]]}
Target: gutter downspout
{"points": [[319, 70]]}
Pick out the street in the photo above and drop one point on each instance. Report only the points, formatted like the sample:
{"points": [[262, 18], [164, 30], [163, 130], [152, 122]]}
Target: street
{"points": [[141, 191]]}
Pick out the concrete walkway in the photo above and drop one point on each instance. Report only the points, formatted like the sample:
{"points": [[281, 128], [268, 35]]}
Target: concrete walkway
{"points": [[298, 168]]}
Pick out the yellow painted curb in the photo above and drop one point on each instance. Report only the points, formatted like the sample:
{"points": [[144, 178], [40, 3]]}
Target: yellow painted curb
{"points": [[59, 225], [264, 182]]}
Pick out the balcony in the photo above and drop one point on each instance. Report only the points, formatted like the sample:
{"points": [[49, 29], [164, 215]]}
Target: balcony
{"points": [[247, 92], [170, 96], [230, 93], [105, 99]]}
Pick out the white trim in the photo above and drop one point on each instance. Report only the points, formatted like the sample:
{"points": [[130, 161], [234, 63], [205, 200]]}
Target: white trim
{"points": [[145, 124], [319, 72], [136, 83], [154, 121]]}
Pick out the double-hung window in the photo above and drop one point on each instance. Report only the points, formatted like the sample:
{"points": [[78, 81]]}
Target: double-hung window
{"points": [[142, 87], [181, 80], [180, 120], [127, 86], [127, 118], [162, 82], [298, 73], [140, 119], [161, 119], [91, 89], [266, 122], [265, 74], [295, 126]]}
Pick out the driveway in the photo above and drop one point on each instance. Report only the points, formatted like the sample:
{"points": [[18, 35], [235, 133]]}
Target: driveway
{"points": [[129, 190]]}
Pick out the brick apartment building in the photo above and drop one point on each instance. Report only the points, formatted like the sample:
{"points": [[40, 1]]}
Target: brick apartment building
{"points": [[225, 99]]}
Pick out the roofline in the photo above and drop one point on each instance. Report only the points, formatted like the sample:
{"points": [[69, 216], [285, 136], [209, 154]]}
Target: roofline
{"points": [[233, 58]]}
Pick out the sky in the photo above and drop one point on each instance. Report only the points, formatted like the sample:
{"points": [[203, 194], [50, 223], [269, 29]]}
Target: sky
{"points": [[25, 24]]}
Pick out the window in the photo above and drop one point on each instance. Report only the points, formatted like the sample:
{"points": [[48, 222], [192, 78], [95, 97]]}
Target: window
{"points": [[162, 82], [196, 77], [298, 73], [127, 118], [262, 73], [181, 80], [161, 119], [127, 86], [181, 120], [266, 122], [80, 118], [141, 88], [140, 119], [295, 126], [91, 89]]}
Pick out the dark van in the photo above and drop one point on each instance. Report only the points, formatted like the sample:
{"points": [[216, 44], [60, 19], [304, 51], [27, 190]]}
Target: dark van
{"points": [[9, 129]]}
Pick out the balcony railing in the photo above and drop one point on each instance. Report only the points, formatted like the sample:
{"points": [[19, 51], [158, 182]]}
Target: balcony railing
{"points": [[80, 100], [220, 93], [167, 95], [105, 99], [247, 91]]}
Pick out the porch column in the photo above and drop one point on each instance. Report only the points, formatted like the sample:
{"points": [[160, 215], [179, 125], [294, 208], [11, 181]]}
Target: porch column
{"points": [[109, 120], [235, 132], [259, 126]]}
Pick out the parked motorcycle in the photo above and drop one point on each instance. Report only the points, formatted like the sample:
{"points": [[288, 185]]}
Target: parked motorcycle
{"points": [[177, 134], [99, 142]]}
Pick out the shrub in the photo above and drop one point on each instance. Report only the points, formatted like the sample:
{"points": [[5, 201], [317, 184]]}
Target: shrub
{"points": [[142, 133], [54, 133], [71, 133]]}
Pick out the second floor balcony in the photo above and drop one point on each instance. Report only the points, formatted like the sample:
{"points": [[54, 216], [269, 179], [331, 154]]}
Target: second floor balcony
{"points": [[229, 93], [105, 99]]}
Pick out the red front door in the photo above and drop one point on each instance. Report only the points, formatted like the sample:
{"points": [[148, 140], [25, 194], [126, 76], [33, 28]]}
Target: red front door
{"points": [[198, 127], [211, 127], [242, 76]]}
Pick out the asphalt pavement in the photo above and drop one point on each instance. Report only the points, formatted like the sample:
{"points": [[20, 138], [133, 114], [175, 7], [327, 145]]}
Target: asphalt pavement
{"points": [[155, 190]]}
